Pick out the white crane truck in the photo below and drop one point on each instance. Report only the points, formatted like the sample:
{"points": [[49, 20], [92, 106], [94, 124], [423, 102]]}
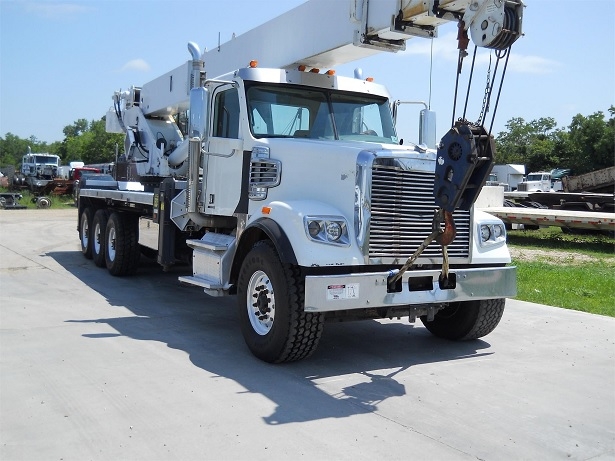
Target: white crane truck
{"points": [[287, 186]]}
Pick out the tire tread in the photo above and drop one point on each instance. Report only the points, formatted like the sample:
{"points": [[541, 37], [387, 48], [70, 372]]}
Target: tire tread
{"points": [[127, 251], [489, 316]]}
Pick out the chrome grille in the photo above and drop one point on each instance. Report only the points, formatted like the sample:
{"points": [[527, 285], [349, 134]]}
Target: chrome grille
{"points": [[265, 173], [402, 208]]}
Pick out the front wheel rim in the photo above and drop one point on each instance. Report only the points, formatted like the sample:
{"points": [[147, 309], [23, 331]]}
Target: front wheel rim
{"points": [[260, 303]]}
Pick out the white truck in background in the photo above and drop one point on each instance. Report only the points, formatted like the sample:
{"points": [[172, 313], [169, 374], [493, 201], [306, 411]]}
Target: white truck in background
{"points": [[536, 182], [285, 184], [508, 175], [36, 171]]}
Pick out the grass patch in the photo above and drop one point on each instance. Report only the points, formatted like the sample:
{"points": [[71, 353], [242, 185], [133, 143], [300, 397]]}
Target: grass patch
{"points": [[573, 271], [554, 238], [58, 202], [589, 287]]}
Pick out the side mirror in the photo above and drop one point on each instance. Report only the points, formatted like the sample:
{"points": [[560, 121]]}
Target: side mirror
{"points": [[199, 102], [427, 128]]}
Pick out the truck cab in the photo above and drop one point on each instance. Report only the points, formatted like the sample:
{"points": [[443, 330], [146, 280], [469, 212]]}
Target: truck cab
{"points": [[40, 166], [536, 182]]}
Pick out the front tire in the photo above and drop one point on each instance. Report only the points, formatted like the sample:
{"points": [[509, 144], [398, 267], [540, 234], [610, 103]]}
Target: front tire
{"points": [[99, 225], [85, 222], [122, 244], [466, 320], [270, 299]]}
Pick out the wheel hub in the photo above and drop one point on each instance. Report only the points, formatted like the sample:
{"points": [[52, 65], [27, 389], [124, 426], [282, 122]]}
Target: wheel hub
{"points": [[111, 245], [260, 303], [85, 232], [97, 238]]}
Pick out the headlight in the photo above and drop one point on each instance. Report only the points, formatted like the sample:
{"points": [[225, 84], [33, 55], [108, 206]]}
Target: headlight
{"points": [[334, 231], [491, 234], [327, 229], [313, 228]]}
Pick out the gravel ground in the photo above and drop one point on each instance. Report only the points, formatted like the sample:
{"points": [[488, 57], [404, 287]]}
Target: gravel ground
{"points": [[549, 256]]}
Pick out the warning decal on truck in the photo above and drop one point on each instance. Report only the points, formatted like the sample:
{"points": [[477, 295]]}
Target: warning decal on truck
{"points": [[337, 292]]}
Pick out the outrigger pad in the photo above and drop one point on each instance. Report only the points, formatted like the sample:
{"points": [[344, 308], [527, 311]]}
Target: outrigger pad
{"points": [[464, 161]]}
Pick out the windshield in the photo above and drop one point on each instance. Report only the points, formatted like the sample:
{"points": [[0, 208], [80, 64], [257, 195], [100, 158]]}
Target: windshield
{"points": [[300, 112], [44, 159], [535, 177]]}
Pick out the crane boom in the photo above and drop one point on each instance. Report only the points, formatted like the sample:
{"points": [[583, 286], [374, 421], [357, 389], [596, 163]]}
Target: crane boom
{"points": [[324, 33]]}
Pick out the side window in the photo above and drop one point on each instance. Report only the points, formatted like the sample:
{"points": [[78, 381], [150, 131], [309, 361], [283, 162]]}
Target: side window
{"points": [[226, 114]]}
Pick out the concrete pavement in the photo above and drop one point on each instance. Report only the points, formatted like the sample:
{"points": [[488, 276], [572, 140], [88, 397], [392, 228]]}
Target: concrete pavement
{"points": [[98, 367]]}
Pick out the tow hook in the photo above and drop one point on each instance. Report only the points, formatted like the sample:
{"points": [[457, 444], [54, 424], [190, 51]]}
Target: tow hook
{"points": [[443, 232], [446, 281]]}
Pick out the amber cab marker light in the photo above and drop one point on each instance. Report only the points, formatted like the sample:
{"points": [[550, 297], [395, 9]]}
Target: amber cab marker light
{"points": [[369, 79], [315, 71], [301, 68], [330, 72], [253, 63]]}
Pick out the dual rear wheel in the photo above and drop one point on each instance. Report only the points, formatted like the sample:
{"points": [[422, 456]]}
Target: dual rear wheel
{"points": [[111, 239]]}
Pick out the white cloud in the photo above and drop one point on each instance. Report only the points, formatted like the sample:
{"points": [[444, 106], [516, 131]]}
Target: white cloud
{"points": [[139, 65], [445, 48], [532, 64]]}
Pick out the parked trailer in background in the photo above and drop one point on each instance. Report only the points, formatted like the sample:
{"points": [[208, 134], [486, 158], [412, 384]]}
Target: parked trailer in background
{"points": [[594, 181]]}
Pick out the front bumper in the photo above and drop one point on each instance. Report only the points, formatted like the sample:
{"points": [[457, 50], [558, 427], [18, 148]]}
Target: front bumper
{"points": [[359, 291]]}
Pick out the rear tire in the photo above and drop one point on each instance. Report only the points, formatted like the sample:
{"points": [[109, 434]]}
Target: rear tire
{"points": [[122, 244], [85, 223], [466, 320], [99, 225], [270, 299]]}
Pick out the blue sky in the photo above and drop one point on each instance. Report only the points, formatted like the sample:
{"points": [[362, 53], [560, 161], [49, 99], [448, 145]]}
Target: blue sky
{"points": [[62, 60]]}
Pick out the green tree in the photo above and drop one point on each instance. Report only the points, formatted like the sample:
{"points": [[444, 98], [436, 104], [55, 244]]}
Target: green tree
{"points": [[77, 128], [12, 148], [89, 142], [587, 145], [530, 144], [100, 145], [591, 144]]}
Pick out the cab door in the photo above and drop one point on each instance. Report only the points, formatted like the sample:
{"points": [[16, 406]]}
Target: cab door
{"points": [[224, 160]]}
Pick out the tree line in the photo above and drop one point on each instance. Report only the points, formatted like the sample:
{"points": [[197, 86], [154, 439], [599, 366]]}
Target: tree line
{"points": [[84, 141], [587, 144]]}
